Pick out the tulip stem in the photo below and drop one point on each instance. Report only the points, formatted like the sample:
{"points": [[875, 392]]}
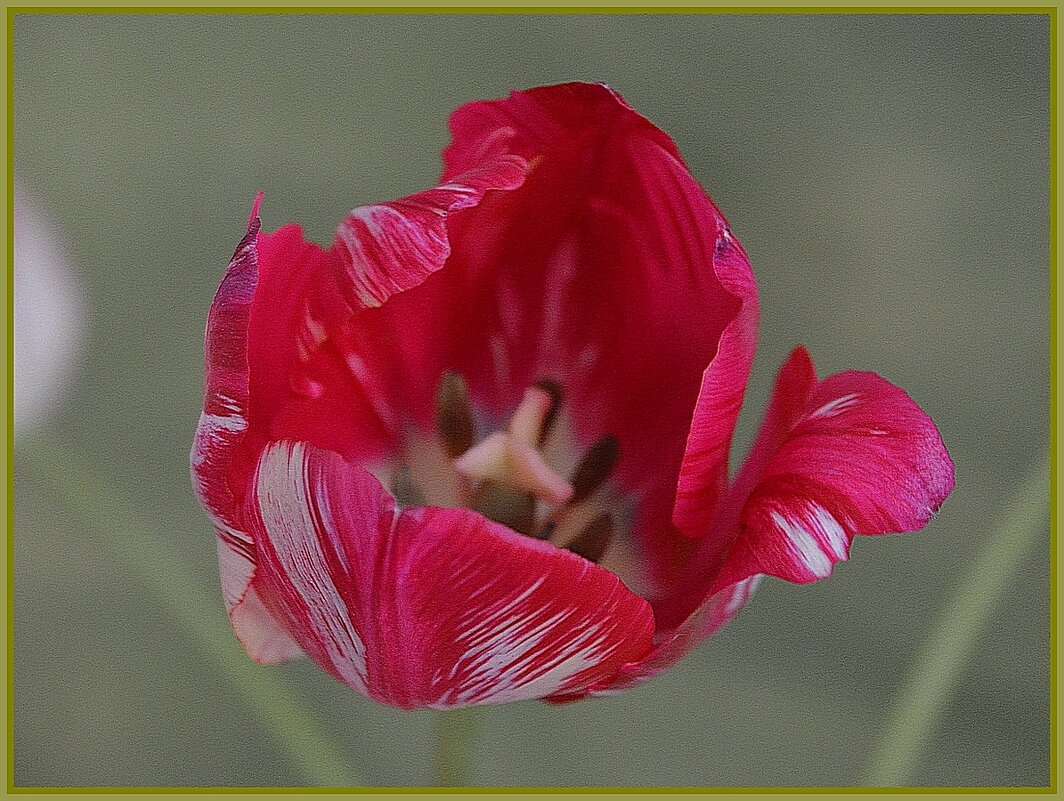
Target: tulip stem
{"points": [[949, 647], [455, 730], [157, 563]]}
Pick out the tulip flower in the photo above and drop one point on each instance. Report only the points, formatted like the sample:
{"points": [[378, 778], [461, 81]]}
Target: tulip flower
{"points": [[477, 450]]}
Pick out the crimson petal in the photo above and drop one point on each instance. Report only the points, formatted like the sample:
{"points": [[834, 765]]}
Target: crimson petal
{"points": [[309, 381], [852, 454], [427, 606], [672, 645], [223, 421], [221, 431], [849, 455]]}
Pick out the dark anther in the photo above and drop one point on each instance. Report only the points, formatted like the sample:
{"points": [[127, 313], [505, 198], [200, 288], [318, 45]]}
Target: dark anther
{"points": [[594, 468], [454, 418], [592, 542], [554, 389]]}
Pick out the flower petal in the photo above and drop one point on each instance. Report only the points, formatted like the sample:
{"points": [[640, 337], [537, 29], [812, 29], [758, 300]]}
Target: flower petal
{"points": [[223, 422], [852, 454], [337, 389], [704, 474], [216, 457], [619, 277], [258, 631], [672, 645], [849, 455], [609, 270], [428, 606]]}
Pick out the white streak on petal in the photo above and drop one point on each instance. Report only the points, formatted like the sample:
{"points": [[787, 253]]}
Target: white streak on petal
{"points": [[832, 533], [392, 232], [834, 407], [502, 645], [741, 593], [804, 546], [236, 571], [284, 499], [214, 422]]}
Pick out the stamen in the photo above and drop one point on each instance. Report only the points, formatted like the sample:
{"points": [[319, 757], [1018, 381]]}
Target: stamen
{"points": [[592, 542], [531, 415], [509, 479], [454, 417], [595, 467], [504, 459], [554, 389]]}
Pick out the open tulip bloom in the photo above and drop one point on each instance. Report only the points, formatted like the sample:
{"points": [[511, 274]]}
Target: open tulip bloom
{"points": [[477, 451]]}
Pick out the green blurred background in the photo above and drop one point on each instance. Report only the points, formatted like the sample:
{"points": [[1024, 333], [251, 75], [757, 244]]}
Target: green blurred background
{"points": [[888, 176]]}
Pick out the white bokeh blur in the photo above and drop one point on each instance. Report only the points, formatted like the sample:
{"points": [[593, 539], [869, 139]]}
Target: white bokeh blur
{"points": [[49, 315]]}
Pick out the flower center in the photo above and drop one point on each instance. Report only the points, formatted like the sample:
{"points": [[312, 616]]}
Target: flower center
{"points": [[508, 476]]}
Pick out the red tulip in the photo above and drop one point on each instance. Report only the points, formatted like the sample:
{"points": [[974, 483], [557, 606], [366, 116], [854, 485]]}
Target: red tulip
{"points": [[477, 451]]}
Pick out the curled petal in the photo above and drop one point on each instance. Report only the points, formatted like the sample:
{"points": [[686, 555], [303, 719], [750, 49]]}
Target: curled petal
{"points": [[216, 451], [704, 474], [428, 606], [223, 422], [849, 455], [852, 454], [389, 247], [672, 645]]}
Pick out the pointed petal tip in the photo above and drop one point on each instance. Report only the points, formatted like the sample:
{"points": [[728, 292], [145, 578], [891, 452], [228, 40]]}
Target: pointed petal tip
{"points": [[800, 356], [254, 215]]}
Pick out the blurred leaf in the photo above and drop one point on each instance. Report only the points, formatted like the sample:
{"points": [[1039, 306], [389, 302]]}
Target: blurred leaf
{"points": [[951, 643]]}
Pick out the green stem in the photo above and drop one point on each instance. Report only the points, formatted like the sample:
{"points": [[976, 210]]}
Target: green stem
{"points": [[156, 561], [455, 730], [951, 643]]}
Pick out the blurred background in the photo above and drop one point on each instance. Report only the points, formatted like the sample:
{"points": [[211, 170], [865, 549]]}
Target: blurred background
{"points": [[888, 176]]}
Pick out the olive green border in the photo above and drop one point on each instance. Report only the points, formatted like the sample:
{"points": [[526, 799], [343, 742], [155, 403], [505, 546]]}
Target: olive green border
{"points": [[473, 7]]}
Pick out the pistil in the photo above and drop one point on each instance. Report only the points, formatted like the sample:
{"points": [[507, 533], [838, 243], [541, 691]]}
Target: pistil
{"points": [[506, 476]]}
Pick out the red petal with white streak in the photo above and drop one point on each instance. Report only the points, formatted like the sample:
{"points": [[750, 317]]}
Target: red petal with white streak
{"points": [[428, 606], [308, 380], [256, 629], [215, 451], [223, 422], [671, 646], [849, 455], [852, 454]]}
